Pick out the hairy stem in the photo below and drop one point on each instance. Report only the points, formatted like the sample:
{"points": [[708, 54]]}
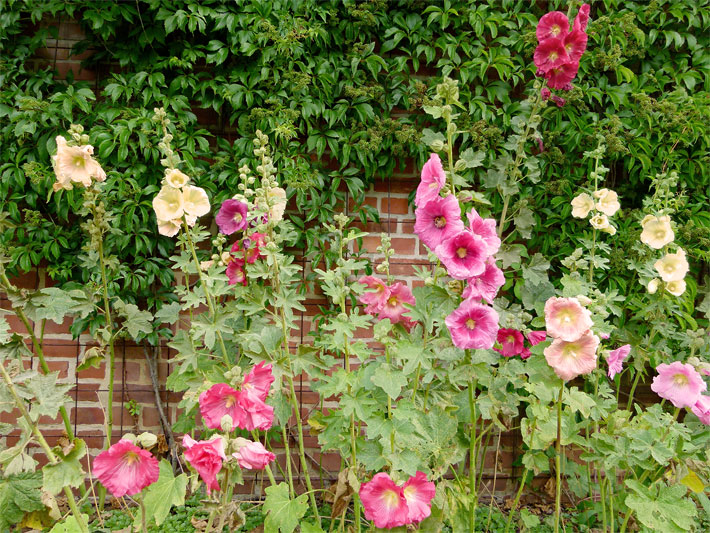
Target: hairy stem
{"points": [[472, 454], [558, 466]]}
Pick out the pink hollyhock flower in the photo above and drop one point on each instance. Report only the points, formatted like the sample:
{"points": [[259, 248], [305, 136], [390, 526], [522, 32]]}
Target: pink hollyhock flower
{"points": [[219, 400], [575, 44], [701, 409], [464, 255], [418, 492], [552, 25], [235, 271], [384, 502], [536, 337], [125, 468], [437, 220], [485, 285], [575, 358], [486, 229], [258, 381], [252, 455], [566, 319], [511, 342], [206, 458], [232, 216], [433, 179], [582, 18], [376, 300], [616, 359], [561, 77], [549, 54], [394, 308], [473, 325], [256, 414], [680, 383]]}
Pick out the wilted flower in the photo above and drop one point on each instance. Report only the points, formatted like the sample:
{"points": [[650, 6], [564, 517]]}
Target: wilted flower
{"points": [[175, 178], [566, 319], [582, 18], [232, 216], [206, 458], [432, 180], [680, 383], [616, 359], [672, 267], [570, 359], [437, 220], [125, 468], [657, 231], [473, 325], [607, 201], [582, 204]]}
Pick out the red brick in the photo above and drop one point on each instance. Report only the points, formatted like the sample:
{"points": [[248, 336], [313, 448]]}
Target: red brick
{"points": [[59, 366], [395, 206], [404, 246]]}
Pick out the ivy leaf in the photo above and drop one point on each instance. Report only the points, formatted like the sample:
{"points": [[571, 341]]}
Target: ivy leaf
{"points": [[282, 513], [66, 473], [164, 493], [19, 494], [389, 380]]}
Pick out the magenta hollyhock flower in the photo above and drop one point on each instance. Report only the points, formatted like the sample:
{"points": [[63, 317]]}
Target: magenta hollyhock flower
{"points": [[536, 337], [559, 102], [418, 493], [375, 300], [680, 383], [582, 18], [256, 413], [486, 229], [433, 179], [232, 216], [701, 409], [206, 458], [437, 220], [561, 77], [252, 455], [575, 358], [258, 381], [566, 319], [394, 308], [485, 285], [550, 53], [552, 25], [616, 359], [249, 248], [384, 502], [125, 468], [235, 271], [526, 353], [511, 342], [575, 44], [464, 255], [544, 94], [473, 325]]}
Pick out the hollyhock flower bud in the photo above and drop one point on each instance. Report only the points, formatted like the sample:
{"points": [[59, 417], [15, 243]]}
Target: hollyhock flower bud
{"points": [[552, 25], [550, 54], [125, 468], [616, 358], [672, 267], [545, 93], [383, 502], [570, 359], [168, 204], [653, 285], [599, 222], [582, 204], [676, 287], [232, 216], [432, 180], [196, 202], [206, 458], [701, 409], [253, 455], [473, 325], [437, 220], [227, 424], [657, 231], [463, 255], [560, 102], [376, 299], [582, 18], [176, 179], [566, 319], [511, 342], [607, 201], [680, 383]]}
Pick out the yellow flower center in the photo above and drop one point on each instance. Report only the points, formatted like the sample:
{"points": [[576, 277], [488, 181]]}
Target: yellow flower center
{"points": [[238, 217], [555, 31], [79, 161], [471, 323], [440, 222], [391, 498], [461, 252], [570, 350], [392, 301], [680, 380], [660, 234], [130, 458], [566, 316], [510, 339], [231, 400], [552, 56]]}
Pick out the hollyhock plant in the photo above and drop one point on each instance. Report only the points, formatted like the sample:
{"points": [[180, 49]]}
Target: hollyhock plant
{"points": [[559, 51], [437, 220], [376, 299], [432, 180], [485, 286], [206, 458], [473, 325], [570, 359], [566, 319], [464, 255], [701, 409], [418, 493], [252, 455], [511, 342], [680, 383], [394, 308], [232, 216], [616, 359], [384, 502], [486, 229], [125, 468]]}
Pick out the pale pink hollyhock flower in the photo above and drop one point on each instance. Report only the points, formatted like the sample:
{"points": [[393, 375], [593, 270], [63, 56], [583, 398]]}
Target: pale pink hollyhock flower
{"points": [[252, 455], [561, 77], [473, 325], [125, 468], [418, 492], [437, 220], [680, 383], [258, 381], [566, 319], [206, 458], [549, 54], [219, 400], [433, 179], [464, 255], [701, 409], [575, 44], [575, 358], [484, 228], [394, 308], [582, 18], [616, 359], [384, 502], [511, 342], [536, 337], [196, 202], [553, 24], [485, 285], [376, 299], [232, 216], [75, 164]]}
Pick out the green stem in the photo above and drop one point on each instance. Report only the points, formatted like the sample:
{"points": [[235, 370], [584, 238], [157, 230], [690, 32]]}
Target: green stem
{"points": [[226, 497], [472, 455], [603, 501], [517, 500], [287, 451], [558, 468], [112, 355], [144, 528]]}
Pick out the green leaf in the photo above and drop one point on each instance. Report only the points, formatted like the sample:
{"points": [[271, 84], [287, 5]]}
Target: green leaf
{"points": [[68, 472], [164, 493], [471, 158], [19, 494], [49, 394], [55, 304], [134, 320], [282, 513], [70, 525], [307, 527], [389, 379], [693, 482], [660, 507]]}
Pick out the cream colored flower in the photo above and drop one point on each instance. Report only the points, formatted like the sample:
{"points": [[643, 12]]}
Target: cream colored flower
{"points": [[189, 220], [611, 230], [657, 231], [169, 228], [278, 196], [175, 178], [169, 204], [582, 204], [676, 288], [206, 265], [607, 201], [653, 285], [672, 267], [75, 164], [599, 222], [195, 200]]}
